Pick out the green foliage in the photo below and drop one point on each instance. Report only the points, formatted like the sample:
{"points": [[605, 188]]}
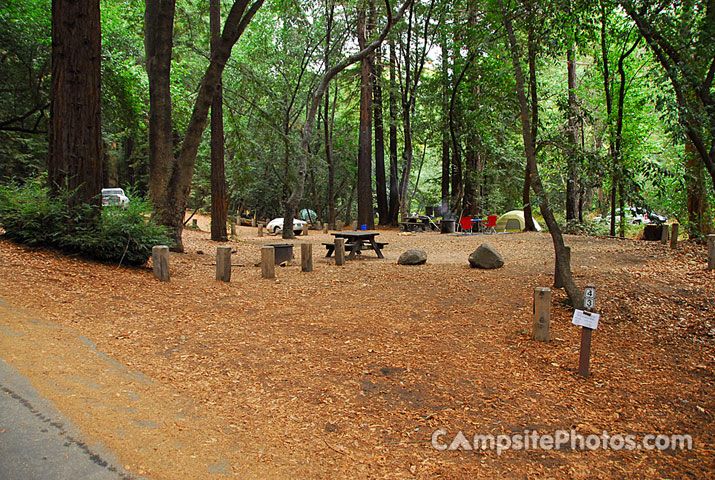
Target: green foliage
{"points": [[29, 215]]}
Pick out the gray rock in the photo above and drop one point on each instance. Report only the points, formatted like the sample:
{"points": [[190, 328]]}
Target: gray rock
{"points": [[413, 257], [486, 257]]}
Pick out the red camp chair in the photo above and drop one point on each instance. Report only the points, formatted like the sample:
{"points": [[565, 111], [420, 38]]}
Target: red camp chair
{"points": [[490, 226], [465, 224]]}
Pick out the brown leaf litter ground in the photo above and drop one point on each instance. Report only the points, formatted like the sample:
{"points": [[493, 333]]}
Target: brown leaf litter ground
{"points": [[345, 372]]}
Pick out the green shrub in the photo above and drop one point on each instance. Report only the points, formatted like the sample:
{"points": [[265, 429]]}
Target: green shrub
{"points": [[29, 215]]}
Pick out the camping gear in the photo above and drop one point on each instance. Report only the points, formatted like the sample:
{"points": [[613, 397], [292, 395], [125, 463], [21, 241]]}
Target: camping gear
{"points": [[491, 223], [447, 226], [465, 223], [513, 221], [284, 252]]}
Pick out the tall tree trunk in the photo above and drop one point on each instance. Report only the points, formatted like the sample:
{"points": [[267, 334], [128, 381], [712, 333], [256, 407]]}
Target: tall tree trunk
{"points": [[327, 130], [445, 124], [394, 189], [572, 186], [380, 177], [170, 176], [219, 200], [533, 95], [562, 262], [75, 160], [364, 162], [697, 199]]}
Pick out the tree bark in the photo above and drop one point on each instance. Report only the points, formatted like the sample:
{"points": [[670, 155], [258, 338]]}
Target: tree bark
{"points": [[219, 200], [572, 184], [446, 160], [364, 162], [394, 194], [170, 176], [327, 131], [379, 126], [75, 160]]}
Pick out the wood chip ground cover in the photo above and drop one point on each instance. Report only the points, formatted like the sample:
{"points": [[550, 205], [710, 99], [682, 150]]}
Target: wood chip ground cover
{"points": [[345, 372]]}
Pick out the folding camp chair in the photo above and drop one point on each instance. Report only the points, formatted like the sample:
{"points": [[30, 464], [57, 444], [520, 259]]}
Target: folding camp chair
{"points": [[490, 226], [465, 224]]}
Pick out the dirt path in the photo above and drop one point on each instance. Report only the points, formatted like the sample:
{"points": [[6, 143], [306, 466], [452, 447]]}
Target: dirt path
{"points": [[346, 372]]}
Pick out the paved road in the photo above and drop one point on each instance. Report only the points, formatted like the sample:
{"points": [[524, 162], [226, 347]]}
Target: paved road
{"points": [[38, 443]]}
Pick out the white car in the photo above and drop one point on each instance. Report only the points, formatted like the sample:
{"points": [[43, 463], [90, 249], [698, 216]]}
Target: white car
{"points": [[114, 196], [276, 225]]}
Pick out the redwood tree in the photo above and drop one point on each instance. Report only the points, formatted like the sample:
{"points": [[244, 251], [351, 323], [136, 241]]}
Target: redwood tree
{"points": [[75, 160], [219, 201]]}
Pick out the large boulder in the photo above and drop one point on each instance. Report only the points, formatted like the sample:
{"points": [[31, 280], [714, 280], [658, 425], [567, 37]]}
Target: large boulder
{"points": [[413, 257], [486, 257]]}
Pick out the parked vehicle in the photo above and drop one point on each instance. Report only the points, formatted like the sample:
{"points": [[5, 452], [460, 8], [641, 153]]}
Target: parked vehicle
{"points": [[276, 226], [114, 196]]}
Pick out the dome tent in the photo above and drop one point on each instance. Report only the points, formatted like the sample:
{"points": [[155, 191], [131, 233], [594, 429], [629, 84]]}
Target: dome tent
{"points": [[513, 221]]}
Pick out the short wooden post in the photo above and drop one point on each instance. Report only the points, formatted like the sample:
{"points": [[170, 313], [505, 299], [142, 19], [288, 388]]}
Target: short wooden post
{"points": [[664, 234], [305, 230], [223, 264], [160, 259], [306, 257], [339, 251], [325, 227], [542, 314], [711, 252], [584, 354], [268, 262], [674, 236], [254, 223], [355, 225], [260, 230], [194, 224], [233, 228], [558, 281]]}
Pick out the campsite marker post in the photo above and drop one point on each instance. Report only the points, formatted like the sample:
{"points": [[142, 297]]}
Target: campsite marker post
{"points": [[588, 321]]}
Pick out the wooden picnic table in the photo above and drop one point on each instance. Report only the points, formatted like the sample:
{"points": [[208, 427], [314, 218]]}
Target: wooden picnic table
{"points": [[356, 241]]}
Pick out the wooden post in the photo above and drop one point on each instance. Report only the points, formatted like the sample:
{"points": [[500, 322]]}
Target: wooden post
{"points": [[306, 257], [711, 252], [260, 230], [233, 228], [268, 262], [339, 251], [223, 264], [664, 234], [160, 259], [584, 355], [674, 236], [305, 230], [325, 227], [355, 225], [558, 281], [542, 314], [254, 223]]}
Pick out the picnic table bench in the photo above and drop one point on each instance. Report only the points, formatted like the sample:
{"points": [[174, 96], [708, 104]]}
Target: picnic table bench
{"points": [[355, 242]]}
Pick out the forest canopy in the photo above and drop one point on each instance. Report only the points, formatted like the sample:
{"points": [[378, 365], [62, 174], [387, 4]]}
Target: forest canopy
{"points": [[368, 111]]}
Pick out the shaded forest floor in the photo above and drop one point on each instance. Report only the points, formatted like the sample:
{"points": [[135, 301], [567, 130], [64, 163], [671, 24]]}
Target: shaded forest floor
{"points": [[345, 372]]}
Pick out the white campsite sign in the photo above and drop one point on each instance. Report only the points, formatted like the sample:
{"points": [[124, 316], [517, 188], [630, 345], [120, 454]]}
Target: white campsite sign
{"points": [[585, 319]]}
